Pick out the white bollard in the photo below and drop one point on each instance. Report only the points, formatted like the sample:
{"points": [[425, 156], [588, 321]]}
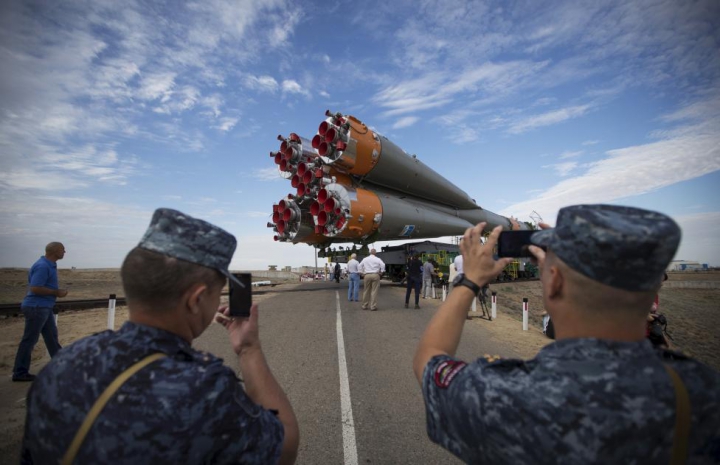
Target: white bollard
{"points": [[525, 314], [494, 305], [444, 292], [111, 312], [474, 305], [433, 291]]}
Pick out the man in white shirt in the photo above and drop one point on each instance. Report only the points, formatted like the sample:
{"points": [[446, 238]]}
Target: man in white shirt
{"points": [[428, 274], [353, 269], [458, 262], [371, 268]]}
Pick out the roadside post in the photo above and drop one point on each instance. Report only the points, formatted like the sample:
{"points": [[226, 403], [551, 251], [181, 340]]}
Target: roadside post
{"points": [[525, 314], [111, 312], [494, 305]]}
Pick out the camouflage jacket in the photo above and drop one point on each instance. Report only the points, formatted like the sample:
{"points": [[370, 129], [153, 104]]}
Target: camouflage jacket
{"points": [[579, 401], [185, 408]]}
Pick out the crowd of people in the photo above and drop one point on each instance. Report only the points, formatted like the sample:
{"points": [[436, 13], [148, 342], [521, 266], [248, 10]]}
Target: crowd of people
{"points": [[599, 394]]}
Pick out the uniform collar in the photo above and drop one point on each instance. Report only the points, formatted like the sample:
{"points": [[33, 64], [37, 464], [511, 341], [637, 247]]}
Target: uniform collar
{"points": [[49, 262], [155, 339], [590, 348]]}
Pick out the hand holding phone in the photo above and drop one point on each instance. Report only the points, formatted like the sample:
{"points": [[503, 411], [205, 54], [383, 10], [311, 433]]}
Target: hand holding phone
{"points": [[514, 244], [241, 296]]}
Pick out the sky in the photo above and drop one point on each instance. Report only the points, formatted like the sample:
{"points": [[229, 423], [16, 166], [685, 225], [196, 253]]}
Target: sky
{"points": [[109, 110]]}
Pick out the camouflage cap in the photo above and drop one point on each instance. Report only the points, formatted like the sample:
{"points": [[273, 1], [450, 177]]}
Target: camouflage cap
{"points": [[624, 247], [181, 236]]}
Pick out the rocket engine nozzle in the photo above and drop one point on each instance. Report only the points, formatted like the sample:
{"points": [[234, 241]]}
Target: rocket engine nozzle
{"points": [[307, 177], [329, 205], [315, 208], [322, 218], [325, 149]]}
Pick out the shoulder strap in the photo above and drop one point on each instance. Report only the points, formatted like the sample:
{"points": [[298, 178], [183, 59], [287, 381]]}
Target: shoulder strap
{"points": [[682, 419], [100, 404]]}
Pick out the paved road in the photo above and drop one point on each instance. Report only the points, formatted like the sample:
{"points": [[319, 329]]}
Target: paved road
{"points": [[299, 332]]}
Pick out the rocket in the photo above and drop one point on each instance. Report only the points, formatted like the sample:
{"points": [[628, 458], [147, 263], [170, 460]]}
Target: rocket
{"points": [[353, 184]]}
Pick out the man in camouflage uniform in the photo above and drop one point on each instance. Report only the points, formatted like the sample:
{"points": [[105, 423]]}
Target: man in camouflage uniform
{"points": [[601, 393], [186, 407]]}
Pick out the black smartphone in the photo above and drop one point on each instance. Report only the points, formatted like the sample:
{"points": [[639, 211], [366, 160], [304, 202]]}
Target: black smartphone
{"points": [[514, 244], [241, 297]]}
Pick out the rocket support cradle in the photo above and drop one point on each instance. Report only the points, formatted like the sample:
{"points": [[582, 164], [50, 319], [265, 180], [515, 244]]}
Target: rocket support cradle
{"points": [[355, 185]]}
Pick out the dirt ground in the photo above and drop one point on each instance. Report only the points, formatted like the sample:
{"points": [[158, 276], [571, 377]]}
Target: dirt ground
{"points": [[693, 314]]}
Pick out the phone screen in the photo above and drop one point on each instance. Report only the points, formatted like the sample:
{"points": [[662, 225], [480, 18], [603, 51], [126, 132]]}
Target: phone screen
{"points": [[241, 298], [514, 244]]}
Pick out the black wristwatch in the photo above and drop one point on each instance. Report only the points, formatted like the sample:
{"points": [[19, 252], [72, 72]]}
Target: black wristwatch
{"points": [[461, 280]]}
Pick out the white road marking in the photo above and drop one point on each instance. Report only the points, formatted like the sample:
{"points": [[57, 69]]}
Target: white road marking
{"points": [[348, 425]]}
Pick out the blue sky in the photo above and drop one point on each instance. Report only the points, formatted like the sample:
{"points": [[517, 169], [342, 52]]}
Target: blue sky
{"points": [[111, 109]]}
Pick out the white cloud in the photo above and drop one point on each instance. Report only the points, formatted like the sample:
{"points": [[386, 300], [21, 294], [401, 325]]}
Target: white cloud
{"points": [[213, 102], [285, 27], [591, 142], [33, 179], [689, 152], [226, 124], [570, 154], [261, 83], [178, 101], [292, 87], [322, 93], [156, 86], [436, 89], [405, 122], [544, 101], [563, 169], [547, 119]]}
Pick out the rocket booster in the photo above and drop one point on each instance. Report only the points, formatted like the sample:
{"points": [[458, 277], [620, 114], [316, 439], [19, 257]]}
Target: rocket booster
{"points": [[355, 185], [351, 146]]}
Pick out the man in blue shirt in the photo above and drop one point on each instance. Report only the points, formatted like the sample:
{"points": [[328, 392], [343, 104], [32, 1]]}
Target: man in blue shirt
{"points": [[37, 306]]}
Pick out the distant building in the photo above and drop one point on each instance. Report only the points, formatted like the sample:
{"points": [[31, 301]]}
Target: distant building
{"points": [[686, 265]]}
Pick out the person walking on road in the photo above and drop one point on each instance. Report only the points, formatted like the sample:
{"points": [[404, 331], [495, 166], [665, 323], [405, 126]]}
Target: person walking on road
{"points": [[371, 268], [37, 308], [336, 272], [414, 279], [353, 269], [143, 394], [427, 275]]}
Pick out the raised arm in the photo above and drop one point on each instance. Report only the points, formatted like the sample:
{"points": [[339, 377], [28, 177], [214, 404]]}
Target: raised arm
{"points": [[442, 336], [260, 384]]}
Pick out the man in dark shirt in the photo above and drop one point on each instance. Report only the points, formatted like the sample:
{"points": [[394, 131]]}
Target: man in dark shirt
{"points": [[37, 307], [601, 393], [179, 405], [414, 270]]}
